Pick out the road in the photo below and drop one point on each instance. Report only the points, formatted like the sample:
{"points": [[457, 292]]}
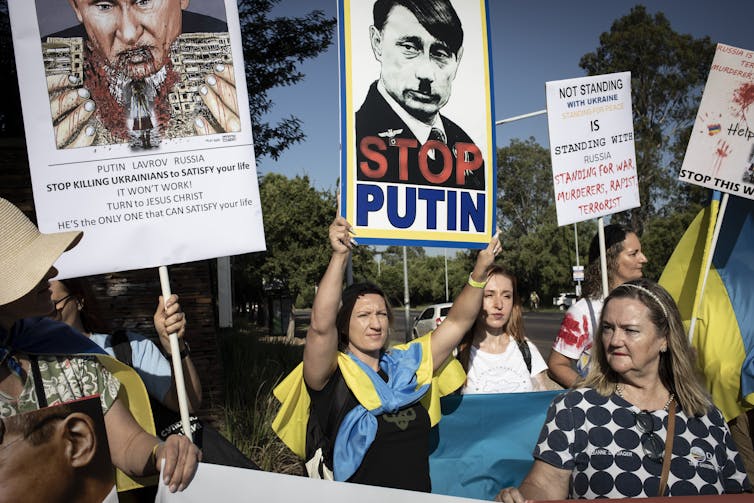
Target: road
{"points": [[541, 328]]}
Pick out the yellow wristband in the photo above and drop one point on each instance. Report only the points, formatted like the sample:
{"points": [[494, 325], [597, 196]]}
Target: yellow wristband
{"points": [[154, 453], [477, 284]]}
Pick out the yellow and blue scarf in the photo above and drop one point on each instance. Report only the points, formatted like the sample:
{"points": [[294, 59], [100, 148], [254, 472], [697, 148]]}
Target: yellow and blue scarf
{"points": [[410, 379]]}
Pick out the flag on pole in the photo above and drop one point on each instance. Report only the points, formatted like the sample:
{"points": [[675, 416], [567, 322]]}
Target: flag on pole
{"points": [[724, 331]]}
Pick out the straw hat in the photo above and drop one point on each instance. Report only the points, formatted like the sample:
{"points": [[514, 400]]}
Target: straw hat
{"points": [[25, 253]]}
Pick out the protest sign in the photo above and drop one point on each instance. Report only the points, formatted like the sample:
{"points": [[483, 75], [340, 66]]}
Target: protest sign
{"points": [[418, 156], [592, 146], [720, 154], [138, 136]]}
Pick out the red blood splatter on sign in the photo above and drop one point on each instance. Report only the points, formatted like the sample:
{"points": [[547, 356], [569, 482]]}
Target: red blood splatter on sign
{"points": [[743, 97]]}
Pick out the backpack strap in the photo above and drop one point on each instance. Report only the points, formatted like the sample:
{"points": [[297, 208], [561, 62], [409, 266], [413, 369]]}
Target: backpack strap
{"points": [[591, 315], [122, 347], [523, 346]]}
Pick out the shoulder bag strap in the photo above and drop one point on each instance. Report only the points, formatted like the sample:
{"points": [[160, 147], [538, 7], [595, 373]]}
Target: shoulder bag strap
{"points": [[38, 384], [668, 450]]}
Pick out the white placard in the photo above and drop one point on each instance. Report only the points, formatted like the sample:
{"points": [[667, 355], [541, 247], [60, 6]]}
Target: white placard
{"points": [[157, 170], [592, 146], [230, 485], [399, 186], [720, 154]]}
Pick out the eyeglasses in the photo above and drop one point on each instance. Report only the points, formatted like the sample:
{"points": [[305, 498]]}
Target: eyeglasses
{"points": [[63, 300], [651, 443]]}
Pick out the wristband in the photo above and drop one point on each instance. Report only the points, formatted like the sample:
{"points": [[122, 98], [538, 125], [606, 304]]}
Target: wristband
{"points": [[186, 350], [154, 454], [476, 284]]}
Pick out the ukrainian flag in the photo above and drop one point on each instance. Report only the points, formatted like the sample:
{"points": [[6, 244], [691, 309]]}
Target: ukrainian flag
{"points": [[724, 331]]}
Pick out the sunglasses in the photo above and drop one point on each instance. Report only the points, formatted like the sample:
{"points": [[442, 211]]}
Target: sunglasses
{"points": [[651, 443]]}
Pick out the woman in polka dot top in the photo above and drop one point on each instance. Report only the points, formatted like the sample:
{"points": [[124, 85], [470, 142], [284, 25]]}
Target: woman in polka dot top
{"points": [[605, 438]]}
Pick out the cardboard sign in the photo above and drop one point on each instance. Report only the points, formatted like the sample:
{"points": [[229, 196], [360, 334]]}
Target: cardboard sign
{"points": [[418, 156], [140, 137], [592, 146], [720, 154]]}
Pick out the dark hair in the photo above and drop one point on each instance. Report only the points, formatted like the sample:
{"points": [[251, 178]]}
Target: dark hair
{"points": [[89, 312], [514, 328], [615, 234], [438, 17], [349, 297], [36, 426]]}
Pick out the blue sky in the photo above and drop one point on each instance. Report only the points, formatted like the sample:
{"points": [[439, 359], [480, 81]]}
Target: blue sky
{"points": [[533, 42]]}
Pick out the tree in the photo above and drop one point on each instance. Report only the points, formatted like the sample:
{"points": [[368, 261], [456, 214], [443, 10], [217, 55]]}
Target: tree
{"points": [[535, 249], [11, 123], [296, 220], [273, 48], [668, 73], [525, 189]]}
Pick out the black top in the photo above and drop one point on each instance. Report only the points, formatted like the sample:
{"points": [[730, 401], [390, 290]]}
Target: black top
{"points": [[376, 122], [399, 455]]}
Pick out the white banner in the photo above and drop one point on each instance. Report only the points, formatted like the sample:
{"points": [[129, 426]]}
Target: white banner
{"points": [[230, 485], [592, 146], [720, 154], [137, 132]]}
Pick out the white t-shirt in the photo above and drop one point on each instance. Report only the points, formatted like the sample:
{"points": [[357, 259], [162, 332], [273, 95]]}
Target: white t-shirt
{"points": [[504, 372]]}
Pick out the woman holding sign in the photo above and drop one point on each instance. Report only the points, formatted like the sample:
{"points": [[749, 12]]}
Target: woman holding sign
{"points": [[574, 341], [495, 353], [45, 363], [371, 407]]}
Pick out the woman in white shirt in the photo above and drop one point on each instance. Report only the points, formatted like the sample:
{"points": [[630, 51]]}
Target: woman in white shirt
{"points": [[497, 356]]}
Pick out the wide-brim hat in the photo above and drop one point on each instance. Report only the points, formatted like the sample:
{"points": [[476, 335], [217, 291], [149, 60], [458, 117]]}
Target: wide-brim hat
{"points": [[25, 253]]}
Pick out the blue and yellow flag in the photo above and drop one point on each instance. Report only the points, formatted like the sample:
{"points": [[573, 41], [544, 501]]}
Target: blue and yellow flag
{"points": [[724, 330], [485, 442]]}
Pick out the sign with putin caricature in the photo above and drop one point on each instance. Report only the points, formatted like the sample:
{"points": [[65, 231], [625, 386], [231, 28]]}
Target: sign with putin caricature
{"points": [[137, 130], [418, 165]]}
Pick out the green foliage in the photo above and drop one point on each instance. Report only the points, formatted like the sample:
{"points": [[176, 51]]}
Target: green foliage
{"points": [[272, 50], [535, 249], [252, 369], [296, 221], [525, 190], [668, 73], [661, 235]]}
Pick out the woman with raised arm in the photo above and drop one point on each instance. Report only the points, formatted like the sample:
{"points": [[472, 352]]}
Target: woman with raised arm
{"points": [[495, 353], [357, 409]]}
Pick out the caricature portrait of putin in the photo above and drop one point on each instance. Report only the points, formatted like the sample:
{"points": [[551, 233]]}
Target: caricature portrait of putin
{"points": [[133, 77], [401, 135]]}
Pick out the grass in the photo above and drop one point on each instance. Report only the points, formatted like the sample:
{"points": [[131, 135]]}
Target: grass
{"points": [[253, 365]]}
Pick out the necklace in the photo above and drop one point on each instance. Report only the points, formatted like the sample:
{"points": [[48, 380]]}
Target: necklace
{"points": [[619, 392]]}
